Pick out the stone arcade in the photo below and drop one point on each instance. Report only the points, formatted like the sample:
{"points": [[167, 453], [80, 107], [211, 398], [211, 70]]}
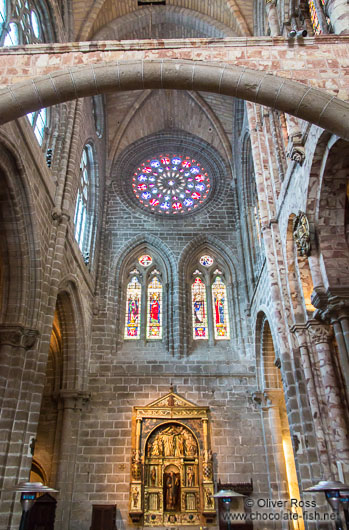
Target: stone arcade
{"points": [[174, 262]]}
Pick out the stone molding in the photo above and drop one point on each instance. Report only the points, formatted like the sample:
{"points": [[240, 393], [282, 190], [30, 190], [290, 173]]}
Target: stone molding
{"points": [[18, 336]]}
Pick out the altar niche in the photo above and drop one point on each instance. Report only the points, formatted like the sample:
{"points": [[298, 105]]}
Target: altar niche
{"points": [[171, 468]]}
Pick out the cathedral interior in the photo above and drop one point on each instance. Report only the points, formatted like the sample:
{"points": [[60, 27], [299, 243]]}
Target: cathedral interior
{"points": [[174, 261]]}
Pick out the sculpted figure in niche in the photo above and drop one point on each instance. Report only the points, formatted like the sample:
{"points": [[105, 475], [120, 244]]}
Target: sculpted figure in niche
{"points": [[135, 497], [190, 444], [208, 495], [153, 476], [172, 493], [190, 477]]}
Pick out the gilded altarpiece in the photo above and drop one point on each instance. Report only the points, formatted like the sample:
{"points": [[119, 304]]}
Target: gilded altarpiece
{"points": [[171, 469]]}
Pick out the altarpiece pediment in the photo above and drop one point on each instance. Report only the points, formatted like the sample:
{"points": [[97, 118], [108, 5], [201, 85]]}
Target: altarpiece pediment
{"points": [[171, 469]]}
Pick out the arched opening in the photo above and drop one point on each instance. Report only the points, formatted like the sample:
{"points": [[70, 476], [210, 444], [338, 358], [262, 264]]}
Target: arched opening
{"points": [[280, 453]]}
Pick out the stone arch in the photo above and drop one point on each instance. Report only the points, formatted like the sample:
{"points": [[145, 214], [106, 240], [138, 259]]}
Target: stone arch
{"points": [[20, 256], [283, 478], [72, 326], [332, 215], [308, 103], [155, 22]]}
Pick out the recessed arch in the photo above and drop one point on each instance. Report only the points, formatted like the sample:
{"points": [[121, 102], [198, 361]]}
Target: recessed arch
{"points": [[311, 104], [20, 255]]}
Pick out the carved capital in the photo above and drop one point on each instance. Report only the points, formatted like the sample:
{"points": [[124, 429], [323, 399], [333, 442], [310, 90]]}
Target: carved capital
{"points": [[18, 336], [320, 333]]}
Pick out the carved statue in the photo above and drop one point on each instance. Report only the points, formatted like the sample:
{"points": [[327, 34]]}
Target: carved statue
{"points": [[190, 444], [208, 496], [153, 476], [135, 497], [190, 477], [157, 446], [172, 487]]}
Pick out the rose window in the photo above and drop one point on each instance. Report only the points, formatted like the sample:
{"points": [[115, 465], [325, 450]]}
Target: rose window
{"points": [[171, 184]]}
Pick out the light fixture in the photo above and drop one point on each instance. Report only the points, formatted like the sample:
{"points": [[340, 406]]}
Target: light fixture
{"points": [[227, 496], [297, 33], [29, 491], [336, 494]]}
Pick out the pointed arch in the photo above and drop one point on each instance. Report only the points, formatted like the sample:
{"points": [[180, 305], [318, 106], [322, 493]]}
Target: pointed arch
{"points": [[20, 254]]}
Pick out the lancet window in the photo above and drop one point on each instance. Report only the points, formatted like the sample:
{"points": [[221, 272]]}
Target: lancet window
{"points": [[209, 301], [144, 306], [21, 22], [84, 218], [320, 21]]}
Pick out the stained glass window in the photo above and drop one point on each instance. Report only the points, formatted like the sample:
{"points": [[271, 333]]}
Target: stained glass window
{"points": [[220, 310], [171, 184], [80, 218], [154, 316], [199, 313], [314, 16], [145, 260], [133, 309], [206, 261]]}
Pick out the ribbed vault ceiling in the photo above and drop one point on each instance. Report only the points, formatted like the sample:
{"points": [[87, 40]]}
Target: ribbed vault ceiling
{"points": [[91, 15]]}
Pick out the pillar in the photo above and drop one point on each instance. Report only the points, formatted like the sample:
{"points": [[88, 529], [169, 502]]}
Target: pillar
{"points": [[338, 12], [323, 450], [18, 405], [321, 335], [71, 404]]}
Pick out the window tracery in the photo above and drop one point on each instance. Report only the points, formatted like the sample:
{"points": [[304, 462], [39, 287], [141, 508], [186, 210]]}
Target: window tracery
{"points": [[171, 184], [21, 22], [144, 302], [209, 302]]}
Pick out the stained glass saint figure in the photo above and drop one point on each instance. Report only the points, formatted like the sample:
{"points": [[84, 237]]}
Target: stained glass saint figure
{"points": [[198, 293], [220, 310], [154, 317], [133, 309]]}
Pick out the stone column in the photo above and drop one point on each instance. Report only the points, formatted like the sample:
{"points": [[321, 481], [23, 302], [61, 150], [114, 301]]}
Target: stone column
{"points": [[18, 408], [321, 335], [300, 332], [273, 19], [272, 404], [338, 12], [338, 317], [71, 404]]}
